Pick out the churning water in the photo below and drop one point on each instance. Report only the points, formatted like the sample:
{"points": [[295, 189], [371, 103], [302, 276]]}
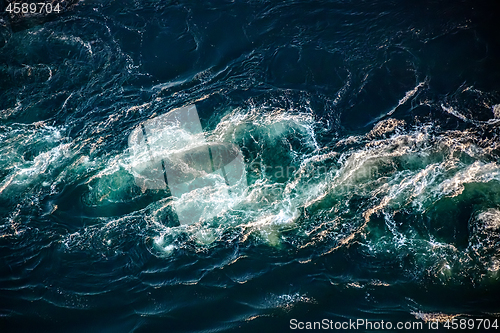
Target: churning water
{"points": [[369, 132]]}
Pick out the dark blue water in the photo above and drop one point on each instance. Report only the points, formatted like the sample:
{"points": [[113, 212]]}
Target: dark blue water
{"points": [[384, 115]]}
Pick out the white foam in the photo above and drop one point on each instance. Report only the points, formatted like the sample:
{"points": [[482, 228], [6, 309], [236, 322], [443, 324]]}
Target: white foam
{"points": [[409, 94], [25, 173], [496, 111]]}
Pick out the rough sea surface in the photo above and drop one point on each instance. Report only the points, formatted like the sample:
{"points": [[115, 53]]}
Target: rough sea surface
{"points": [[370, 132]]}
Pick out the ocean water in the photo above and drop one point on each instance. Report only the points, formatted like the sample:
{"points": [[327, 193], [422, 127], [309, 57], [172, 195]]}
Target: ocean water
{"points": [[369, 132]]}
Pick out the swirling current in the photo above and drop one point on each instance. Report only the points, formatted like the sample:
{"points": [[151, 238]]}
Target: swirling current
{"points": [[370, 137]]}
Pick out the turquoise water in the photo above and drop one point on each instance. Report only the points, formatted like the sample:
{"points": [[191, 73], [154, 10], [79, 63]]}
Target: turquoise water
{"points": [[369, 133]]}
